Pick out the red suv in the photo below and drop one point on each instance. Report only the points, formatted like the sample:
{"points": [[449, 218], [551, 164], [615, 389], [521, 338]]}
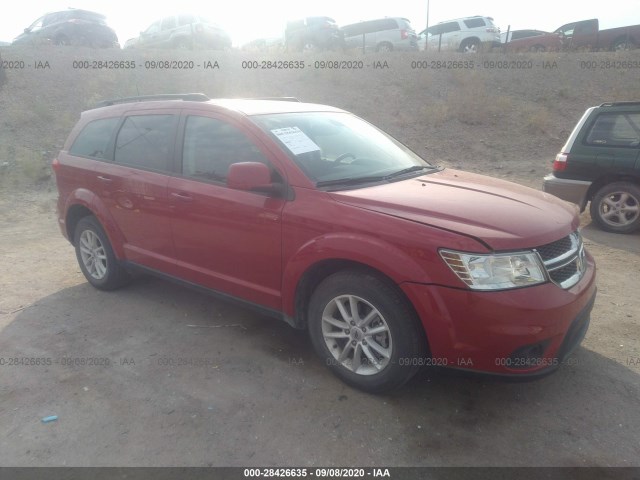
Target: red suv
{"points": [[310, 214]]}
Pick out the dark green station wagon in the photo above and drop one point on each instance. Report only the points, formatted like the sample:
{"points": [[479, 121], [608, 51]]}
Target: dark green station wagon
{"points": [[600, 163]]}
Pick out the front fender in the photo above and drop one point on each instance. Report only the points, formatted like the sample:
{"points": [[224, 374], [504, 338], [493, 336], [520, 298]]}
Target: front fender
{"points": [[372, 252]]}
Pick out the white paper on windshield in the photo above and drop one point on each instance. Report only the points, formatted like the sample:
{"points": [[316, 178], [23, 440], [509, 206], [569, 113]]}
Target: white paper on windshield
{"points": [[295, 140]]}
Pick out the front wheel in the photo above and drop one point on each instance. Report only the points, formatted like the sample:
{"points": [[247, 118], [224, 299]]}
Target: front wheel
{"points": [[366, 331], [95, 256], [616, 207]]}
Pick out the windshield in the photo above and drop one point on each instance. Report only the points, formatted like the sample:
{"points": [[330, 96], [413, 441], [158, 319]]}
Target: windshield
{"points": [[340, 148]]}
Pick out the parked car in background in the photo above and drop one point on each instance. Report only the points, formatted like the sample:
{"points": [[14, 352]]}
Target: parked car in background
{"points": [[587, 35], [518, 34], [70, 27], [600, 163], [582, 35], [381, 35], [313, 33], [182, 32], [548, 42], [312, 215], [468, 35]]}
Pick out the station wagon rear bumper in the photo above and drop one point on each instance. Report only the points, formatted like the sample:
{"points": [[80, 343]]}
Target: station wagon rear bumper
{"points": [[574, 191]]}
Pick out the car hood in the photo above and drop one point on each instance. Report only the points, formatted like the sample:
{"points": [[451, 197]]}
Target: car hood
{"points": [[501, 214]]}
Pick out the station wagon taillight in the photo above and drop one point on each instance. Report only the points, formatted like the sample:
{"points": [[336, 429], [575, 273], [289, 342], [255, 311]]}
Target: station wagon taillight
{"points": [[55, 165], [404, 34], [492, 30], [560, 163]]}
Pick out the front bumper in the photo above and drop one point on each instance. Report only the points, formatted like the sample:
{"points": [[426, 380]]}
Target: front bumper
{"points": [[521, 332], [574, 191]]}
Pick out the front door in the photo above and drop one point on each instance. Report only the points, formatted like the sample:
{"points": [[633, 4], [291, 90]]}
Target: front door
{"points": [[225, 239]]}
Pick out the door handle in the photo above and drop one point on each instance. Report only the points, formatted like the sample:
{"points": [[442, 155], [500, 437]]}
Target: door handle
{"points": [[105, 179], [182, 196]]}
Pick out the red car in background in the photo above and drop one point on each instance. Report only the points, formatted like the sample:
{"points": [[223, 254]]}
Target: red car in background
{"points": [[582, 35]]}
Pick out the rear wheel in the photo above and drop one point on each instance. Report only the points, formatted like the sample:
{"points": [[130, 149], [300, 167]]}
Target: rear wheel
{"points": [[623, 44], [538, 48], [366, 331], [616, 207], [384, 47], [470, 46], [95, 256]]}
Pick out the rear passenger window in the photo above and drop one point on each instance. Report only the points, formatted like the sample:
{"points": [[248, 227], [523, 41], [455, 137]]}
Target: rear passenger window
{"points": [[146, 141], [384, 24], [474, 23], [93, 140], [211, 146], [616, 130]]}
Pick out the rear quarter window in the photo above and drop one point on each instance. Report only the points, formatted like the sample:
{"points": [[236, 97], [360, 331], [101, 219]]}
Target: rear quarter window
{"points": [[615, 130], [93, 140], [475, 23]]}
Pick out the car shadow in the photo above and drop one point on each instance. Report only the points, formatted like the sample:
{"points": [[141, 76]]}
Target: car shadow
{"points": [[159, 368], [627, 242]]}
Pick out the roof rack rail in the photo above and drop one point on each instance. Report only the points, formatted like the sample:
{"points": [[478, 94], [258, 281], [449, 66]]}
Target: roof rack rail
{"points": [[281, 99], [613, 104], [192, 97]]}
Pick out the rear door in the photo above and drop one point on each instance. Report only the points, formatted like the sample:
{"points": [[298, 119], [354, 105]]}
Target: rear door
{"points": [[134, 186], [227, 240]]}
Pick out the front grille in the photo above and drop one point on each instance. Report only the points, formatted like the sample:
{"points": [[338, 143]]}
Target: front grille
{"points": [[555, 249], [564, 260]]}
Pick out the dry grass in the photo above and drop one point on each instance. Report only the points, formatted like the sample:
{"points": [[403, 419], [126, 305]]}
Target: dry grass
{"points": [[504, 114]]}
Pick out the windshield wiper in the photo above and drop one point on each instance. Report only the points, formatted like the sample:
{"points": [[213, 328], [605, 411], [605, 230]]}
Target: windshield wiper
{"points": [[415, 168], [351, 181], [378, 178]]}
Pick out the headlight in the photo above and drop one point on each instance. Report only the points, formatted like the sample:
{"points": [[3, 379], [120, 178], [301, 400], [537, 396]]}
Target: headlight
{"points": [[496, 272]]}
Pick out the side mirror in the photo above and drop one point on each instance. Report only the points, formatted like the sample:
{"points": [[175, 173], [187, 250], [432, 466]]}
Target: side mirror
{"points": [[251, 176]]}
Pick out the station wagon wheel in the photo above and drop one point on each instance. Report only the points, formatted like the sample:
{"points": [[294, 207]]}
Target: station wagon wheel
{"points": [[385, 48], [95, 256], [616, 207], [366, 331]]}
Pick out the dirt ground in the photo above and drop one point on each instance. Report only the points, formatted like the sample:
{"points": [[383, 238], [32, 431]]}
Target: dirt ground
{"points": [[162, 375]]}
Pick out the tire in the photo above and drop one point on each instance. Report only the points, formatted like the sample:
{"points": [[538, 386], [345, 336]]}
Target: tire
{"points": [[538, 48], [384, 48], [623, 44], [616, 207], [95, 256], [399, 341], [470, 46]]}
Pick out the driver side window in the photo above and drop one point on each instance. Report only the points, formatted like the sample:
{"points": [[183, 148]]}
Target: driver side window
{"points": [[211, 146]]}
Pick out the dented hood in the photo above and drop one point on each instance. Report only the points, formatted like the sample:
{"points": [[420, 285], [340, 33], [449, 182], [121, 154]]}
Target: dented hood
{"points": [[501, 214]]}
